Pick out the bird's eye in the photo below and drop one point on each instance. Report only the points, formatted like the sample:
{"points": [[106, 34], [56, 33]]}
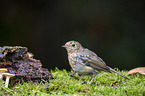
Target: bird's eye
{"points": [[73, 45]]}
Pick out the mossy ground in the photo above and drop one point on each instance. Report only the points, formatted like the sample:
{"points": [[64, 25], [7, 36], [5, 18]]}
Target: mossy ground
{"points": [[106, 84]]}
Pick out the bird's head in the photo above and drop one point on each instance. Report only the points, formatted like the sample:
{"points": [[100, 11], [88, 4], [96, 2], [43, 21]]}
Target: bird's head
{"points": [[73, 46]]}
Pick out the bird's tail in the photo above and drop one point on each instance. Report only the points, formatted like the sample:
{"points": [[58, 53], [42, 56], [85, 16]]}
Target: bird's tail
{"points": [[116, 72]]}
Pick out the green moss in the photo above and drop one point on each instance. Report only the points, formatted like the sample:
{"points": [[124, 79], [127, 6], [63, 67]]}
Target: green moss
{"points": [[106, 84]]}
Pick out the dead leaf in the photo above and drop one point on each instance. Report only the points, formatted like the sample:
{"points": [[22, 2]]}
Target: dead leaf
{"points": [[140, 70]]}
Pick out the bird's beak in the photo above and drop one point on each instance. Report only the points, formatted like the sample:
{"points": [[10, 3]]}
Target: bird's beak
{"points": [[63, 46]]}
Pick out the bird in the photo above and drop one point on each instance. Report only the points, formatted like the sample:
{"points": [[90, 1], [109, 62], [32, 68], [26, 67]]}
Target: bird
{"points": [[85, 62]]}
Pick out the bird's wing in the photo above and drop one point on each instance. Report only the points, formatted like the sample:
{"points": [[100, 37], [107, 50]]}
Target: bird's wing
{"points": [[90, 59]]}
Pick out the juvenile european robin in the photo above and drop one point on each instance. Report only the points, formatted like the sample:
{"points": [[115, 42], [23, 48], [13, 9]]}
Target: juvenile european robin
{"points": [[86, 62]]}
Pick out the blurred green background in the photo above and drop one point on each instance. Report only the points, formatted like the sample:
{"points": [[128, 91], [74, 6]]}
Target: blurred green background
{"points": [[114, 29]]}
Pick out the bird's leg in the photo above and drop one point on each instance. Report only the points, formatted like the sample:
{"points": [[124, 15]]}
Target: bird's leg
{"points": [[73, 74], [78, 78], [91, 79], [82, 77]]}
